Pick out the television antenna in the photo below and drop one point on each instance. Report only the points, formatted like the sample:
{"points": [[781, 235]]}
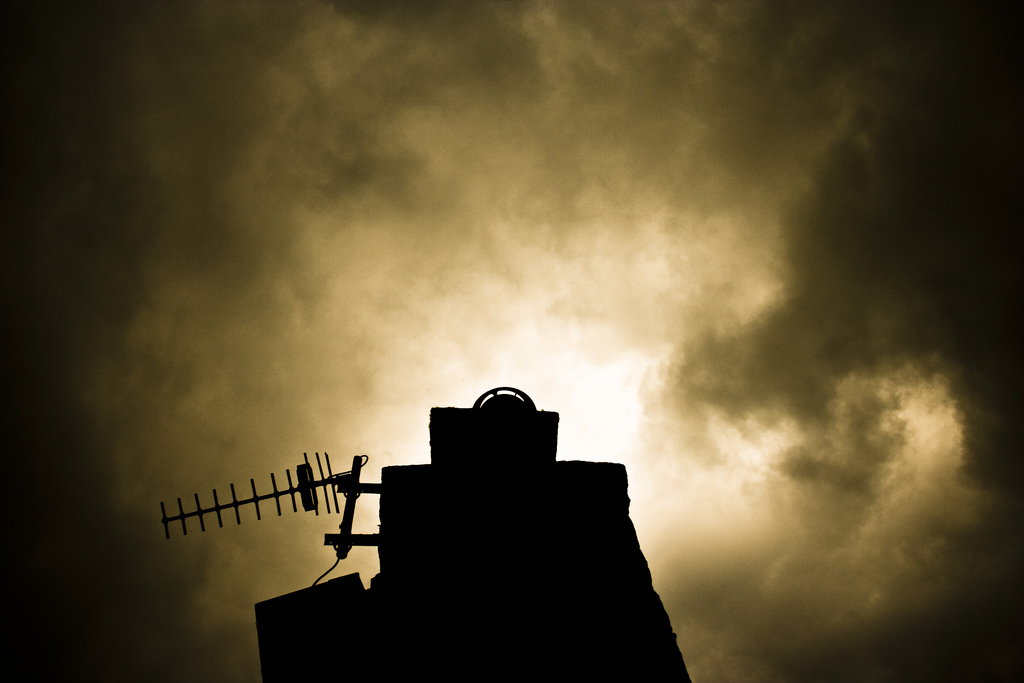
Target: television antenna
{"points": [[329, 485]]}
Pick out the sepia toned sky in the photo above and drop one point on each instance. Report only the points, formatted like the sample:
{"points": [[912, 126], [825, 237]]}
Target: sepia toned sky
{"points": [[765, 254]]}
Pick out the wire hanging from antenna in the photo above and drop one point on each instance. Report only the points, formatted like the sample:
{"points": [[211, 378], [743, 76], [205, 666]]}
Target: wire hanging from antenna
{"points": [[328, 571]]}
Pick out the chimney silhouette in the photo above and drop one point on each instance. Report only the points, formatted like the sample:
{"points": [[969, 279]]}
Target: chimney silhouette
{"points": [[497, 562]]}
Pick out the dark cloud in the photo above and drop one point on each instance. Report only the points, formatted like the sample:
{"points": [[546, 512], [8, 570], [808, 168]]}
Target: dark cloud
{"points": [[903, 258], [71, 278], [244, 231]]}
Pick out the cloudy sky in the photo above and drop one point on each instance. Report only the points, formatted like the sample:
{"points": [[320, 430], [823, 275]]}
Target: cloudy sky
{"points": [[765, 254]]}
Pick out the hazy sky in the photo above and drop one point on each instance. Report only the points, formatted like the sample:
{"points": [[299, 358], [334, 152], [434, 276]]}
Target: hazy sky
{"points": [[765, 254]]}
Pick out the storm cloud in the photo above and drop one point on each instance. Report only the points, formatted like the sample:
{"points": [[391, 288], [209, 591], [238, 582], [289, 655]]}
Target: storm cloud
{"points": [[765, 254]]}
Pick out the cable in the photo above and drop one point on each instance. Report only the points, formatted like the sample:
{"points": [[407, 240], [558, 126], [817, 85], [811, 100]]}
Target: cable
{"points": [[328, 571]]}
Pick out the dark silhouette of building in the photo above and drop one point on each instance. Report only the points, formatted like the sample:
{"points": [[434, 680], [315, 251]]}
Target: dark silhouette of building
{"points": [[497, 562]]}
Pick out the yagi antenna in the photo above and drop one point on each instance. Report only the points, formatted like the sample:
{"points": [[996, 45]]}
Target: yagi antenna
{"points": [[306, 487]]}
